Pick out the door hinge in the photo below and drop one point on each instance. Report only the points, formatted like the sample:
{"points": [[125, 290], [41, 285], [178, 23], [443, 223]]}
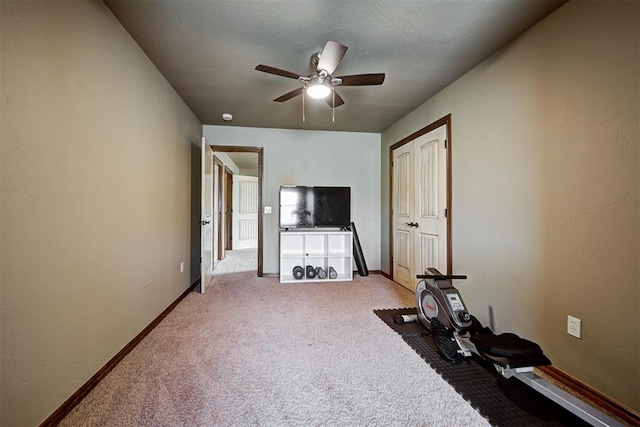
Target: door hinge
{"points": [[445, 144], [445, 212]]}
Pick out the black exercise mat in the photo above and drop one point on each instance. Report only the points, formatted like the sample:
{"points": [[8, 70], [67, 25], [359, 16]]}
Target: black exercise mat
{"points": [[502, 402]]}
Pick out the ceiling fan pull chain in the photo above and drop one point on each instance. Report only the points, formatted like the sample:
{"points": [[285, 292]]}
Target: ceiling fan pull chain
{"points": [[333, 105], [303, 96]]}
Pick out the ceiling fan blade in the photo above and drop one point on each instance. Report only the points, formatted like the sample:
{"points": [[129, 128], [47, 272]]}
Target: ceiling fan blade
{"points": [[331, 56], [362, 79], [277, 71], [287, 96], [339, 101]]}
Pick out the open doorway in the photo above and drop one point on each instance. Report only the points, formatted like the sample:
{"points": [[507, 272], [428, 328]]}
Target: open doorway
{"points": [[240, 207]]}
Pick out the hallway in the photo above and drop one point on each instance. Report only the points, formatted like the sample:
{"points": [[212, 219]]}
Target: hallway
{"points": [[237, 261]]}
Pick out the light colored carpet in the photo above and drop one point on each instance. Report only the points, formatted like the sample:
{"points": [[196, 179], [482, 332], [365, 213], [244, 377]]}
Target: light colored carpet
{"points": [[252, 351], [236, 261]]}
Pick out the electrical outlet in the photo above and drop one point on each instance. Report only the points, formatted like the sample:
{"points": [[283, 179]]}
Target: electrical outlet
{"points": [[574, 326], [182, 267]]}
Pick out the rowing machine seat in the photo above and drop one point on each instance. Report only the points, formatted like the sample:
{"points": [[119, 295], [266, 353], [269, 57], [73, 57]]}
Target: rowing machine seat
{"points": [[506, 345]]}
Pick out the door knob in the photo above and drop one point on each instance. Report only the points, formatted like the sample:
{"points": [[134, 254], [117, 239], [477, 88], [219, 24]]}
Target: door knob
{"points": [[204, 222]]}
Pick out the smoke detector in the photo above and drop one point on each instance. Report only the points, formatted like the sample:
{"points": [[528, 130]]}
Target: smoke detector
{"points": [[227, 117]]}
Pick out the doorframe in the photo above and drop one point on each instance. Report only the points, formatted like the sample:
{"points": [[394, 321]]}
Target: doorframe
{"points": [[444, 121], [228, 188], [260, 152], [218, 183]]}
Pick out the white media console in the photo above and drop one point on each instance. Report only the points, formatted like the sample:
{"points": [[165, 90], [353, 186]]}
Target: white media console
{"points": [[325, 249]]}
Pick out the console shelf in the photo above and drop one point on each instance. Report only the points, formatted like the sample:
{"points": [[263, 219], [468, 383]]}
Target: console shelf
{"points": [[332, 251]]}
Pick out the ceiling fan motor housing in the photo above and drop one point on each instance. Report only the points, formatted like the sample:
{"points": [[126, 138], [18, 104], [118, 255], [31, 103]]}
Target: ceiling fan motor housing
{"points": [[315, 58]]}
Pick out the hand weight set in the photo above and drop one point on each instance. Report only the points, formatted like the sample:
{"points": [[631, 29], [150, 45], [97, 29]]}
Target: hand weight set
{"points": [[311, 272]]}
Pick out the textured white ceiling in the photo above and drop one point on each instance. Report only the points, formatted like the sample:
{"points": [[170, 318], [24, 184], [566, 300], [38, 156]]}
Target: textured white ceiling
{"points": [[208, 51]]}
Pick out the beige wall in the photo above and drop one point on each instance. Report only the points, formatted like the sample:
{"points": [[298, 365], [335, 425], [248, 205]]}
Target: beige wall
{"points": [[95, 174], [545, 189]]}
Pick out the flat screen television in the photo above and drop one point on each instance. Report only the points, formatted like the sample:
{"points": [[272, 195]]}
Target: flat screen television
{"points": [[313, 207]]}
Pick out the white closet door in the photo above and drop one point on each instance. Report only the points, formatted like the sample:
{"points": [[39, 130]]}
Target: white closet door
{"points": [[430, 234], [419, 203], [403, 190]]}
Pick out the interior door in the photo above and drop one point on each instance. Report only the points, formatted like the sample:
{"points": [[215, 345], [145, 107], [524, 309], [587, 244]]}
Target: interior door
{"points": [[419, 207], [206, 217], [245, 212], [403, 183], [430, 233]]}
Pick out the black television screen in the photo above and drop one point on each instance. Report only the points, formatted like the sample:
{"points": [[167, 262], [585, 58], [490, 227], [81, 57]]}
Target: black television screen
{"points": [[311, 207]]}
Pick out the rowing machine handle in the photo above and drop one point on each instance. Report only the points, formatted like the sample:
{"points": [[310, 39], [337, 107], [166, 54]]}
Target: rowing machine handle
{"points": [[441, 276]]}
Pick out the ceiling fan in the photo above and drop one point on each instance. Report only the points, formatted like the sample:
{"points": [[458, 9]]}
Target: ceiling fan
{"points": [[322, 83]]}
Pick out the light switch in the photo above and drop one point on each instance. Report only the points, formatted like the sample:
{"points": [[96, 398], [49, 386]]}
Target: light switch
{"points": [[267, 209]]}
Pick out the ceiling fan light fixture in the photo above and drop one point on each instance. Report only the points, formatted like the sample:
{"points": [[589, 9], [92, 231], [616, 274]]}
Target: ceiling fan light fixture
{"points": [[318, 90]]}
